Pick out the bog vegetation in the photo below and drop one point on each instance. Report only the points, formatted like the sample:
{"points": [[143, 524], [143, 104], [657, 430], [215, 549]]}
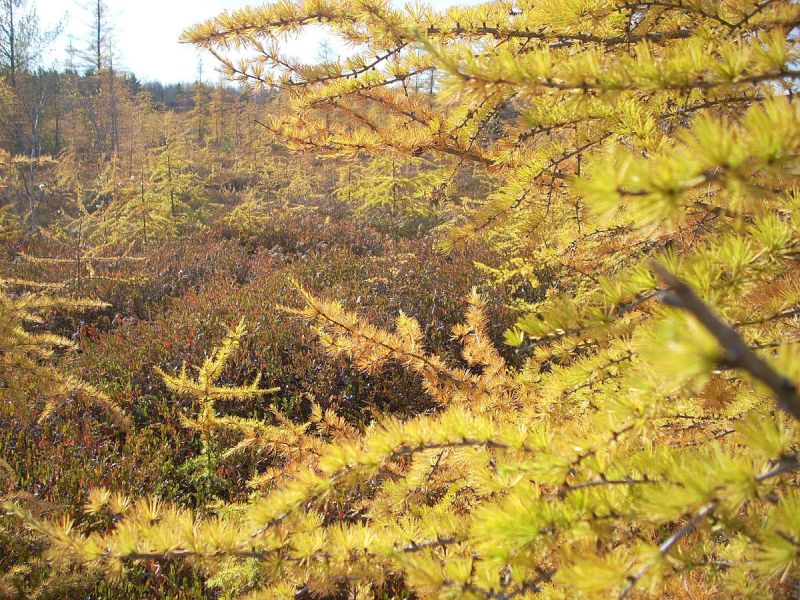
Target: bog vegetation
{"points": [[500, 303]]}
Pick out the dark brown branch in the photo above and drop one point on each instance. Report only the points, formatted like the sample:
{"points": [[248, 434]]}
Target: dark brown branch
{"points": [[603, 482], [440, 542], [700, 83], [737, 353], [557, 40]]}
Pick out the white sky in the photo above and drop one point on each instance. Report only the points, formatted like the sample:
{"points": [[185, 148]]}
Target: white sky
{"points": [[146, 34]]}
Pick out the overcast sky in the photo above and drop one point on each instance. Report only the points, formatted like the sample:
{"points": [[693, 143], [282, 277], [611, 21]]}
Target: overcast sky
{"points": [[146, 33]]}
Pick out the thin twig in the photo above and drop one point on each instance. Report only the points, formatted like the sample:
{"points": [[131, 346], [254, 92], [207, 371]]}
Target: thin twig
{"points": [[667, 545]]}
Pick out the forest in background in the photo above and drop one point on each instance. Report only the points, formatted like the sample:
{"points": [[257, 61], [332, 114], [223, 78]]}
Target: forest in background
{"points": [[503, 303]]}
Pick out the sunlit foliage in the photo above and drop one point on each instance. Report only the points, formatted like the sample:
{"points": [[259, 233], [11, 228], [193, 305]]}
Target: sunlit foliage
{"points": [[638, 433]]}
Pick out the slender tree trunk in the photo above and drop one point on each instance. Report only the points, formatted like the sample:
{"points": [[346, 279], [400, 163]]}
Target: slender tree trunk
{"points": [[394, 187], [99, 37], [144, 211], [36, 111], [78, 265], [237, 116], [12, 41], [57, 106], [171, 188], [114, 116]]}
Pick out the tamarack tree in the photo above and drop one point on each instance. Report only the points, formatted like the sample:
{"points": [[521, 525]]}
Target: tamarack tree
{"points": [[33, 389], [646, 154]]}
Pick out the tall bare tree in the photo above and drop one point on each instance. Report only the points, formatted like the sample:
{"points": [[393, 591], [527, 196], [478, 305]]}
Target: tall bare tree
{"points": [[97, 58], [22, 42]]}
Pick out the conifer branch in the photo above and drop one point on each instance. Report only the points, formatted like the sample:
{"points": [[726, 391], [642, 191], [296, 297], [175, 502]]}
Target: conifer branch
{"points": [[437, 543], [558, 39], [784, 314], [697, 518], [737, 353], [783, 465]]}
